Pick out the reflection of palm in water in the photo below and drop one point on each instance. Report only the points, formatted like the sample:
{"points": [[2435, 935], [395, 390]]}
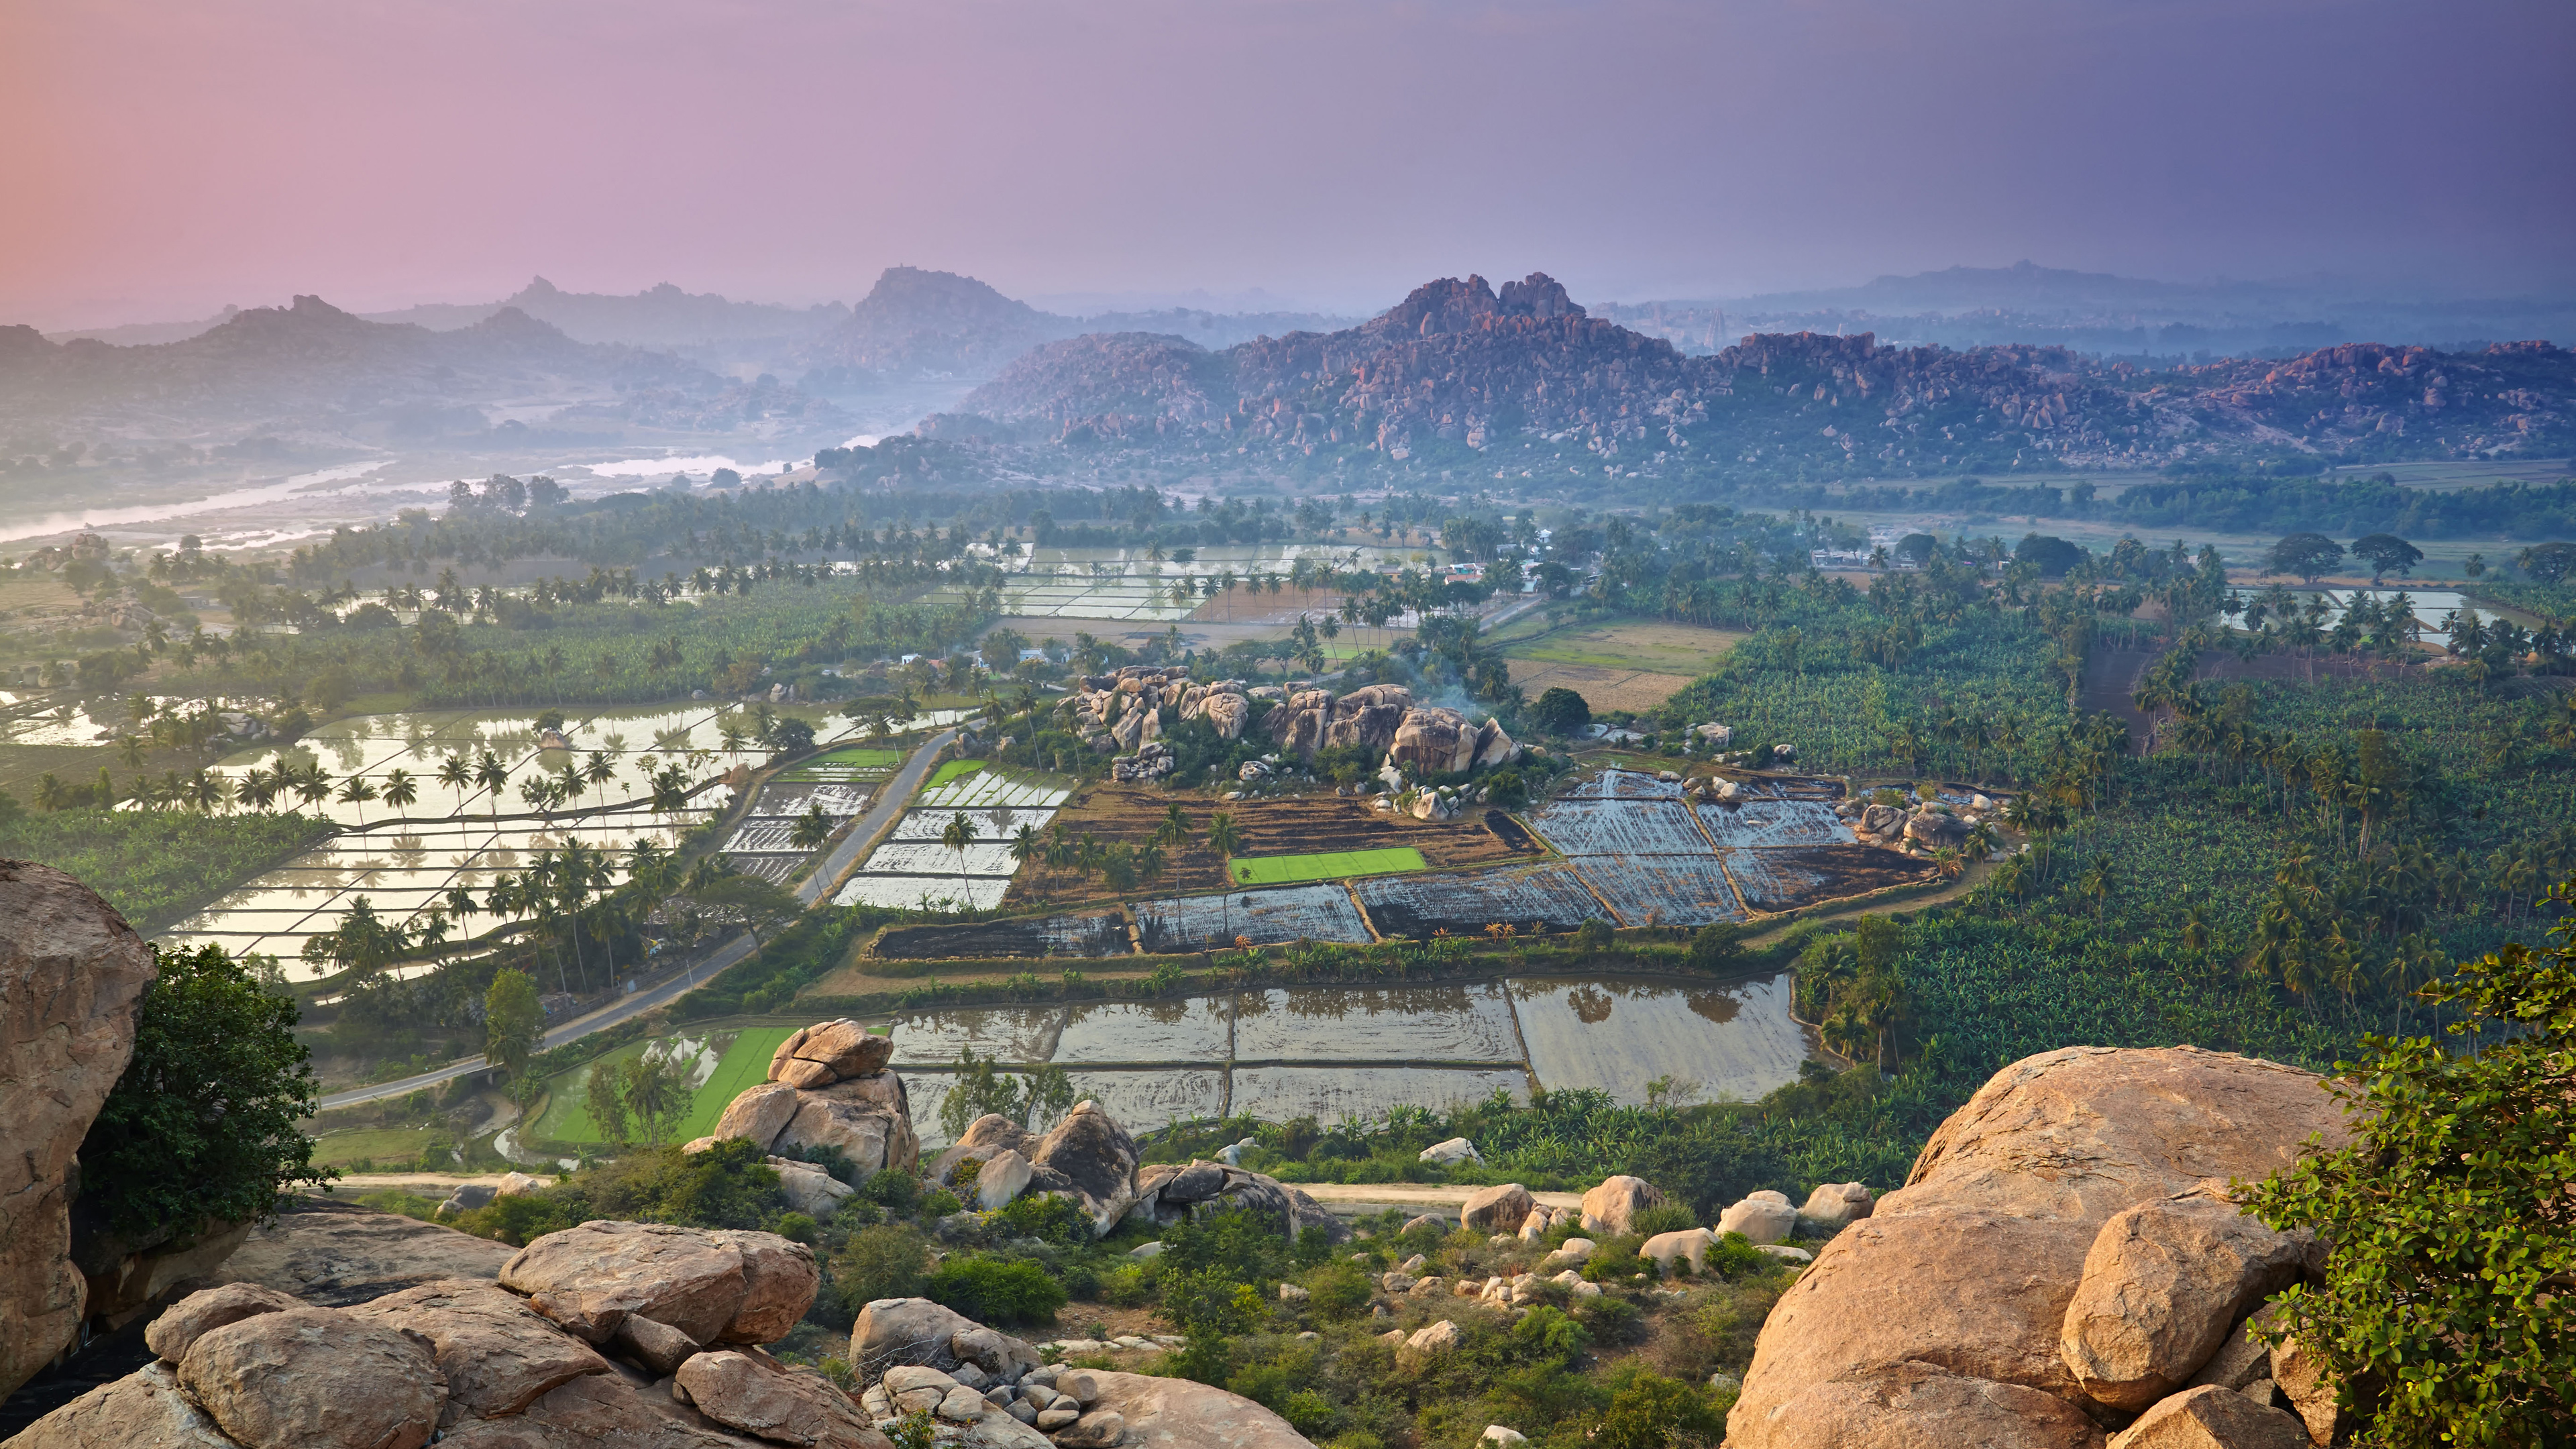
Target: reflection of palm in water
{"points": [[1716, 1006], [1591, 1004]]}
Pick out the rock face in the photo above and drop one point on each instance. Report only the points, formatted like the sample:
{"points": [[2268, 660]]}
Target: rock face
{"points": [[2212, 1418], [1611, 1209], [472, 1364], [1939, 1318], [334, 1253], [1762, 1217], [1498, 1209], [828, 1087], [1836, 1204], [1178, 1414], [72, 974]]}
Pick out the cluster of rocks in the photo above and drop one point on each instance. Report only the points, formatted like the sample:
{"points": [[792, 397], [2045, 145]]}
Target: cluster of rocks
{"points": [[471, 1195], [1152, 761], [1428, 738], [2063, 1265], [1167, 1194], [1124, 710], [1087, 1158], [620, 1334], [984, 1389], [828, 1087], [1923, 826]]}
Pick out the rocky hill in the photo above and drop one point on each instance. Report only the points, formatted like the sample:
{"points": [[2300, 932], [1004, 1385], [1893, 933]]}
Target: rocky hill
{"points": [[915, 322], [311, 364], [662, 316], [1504, 372]]}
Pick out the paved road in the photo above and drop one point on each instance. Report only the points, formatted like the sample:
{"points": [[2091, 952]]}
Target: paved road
{"points": [[843, 856]]}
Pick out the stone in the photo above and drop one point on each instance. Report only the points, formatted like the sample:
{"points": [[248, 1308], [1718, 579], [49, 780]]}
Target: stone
{"points": [[799, 1073], [2242, 1359], [1291, 1293], [1228, 713], [784, 1406], [1494, 748], [2163, 1284], [1435, 1338], [906, 1332], [846, 1047], [497, 1355], [1611, 1209], [871, 1137], [1003, 1177], [1497, 1434], [983, 1137], [72, 975], [787, 1050], [1835, 1205], [1972, 1264], [141, 1409], [758, 1114], [1369, 715], [1456, 1149], [711, 1285], [1427, 1288], [1784, 1252], [169, 1335], [963, 1405], [1056, 1416], [517, 1184], [992, 1351], [315, 1378], [1573, 1252], [1397, 1282], [810, 1190], [1689, 1245], [1197, 1182], [1762, 1217], [2210, 1417], [332, 1253], [878, 1089], [1425, 1220], [466, 1198], [655, 1346], [2301, 1378], [1496, 1209], [1164, 1413], [1434, 741], [1096, 1158]]}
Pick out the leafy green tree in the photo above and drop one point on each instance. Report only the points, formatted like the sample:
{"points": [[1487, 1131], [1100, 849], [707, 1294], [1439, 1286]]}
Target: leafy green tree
{"points": [[2453, 1232], [2386, 553], [1653, 1412], [204, 1125], [1560, 711], [656, 1090], [2305, 554], [513, 1023], [605, 1092]]}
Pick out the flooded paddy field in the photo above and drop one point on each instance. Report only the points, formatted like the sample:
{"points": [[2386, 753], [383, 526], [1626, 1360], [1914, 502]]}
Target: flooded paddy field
{"points": [[1663, 890], [1065, 935], [1779, 880], [1552, 896], [1332, 1052], [1322, 911], [913, 870]]}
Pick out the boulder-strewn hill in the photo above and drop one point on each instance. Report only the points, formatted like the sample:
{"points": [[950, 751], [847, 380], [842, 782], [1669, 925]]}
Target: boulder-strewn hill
{"points": [[1458, 362], [915, 322], [661, 316]]}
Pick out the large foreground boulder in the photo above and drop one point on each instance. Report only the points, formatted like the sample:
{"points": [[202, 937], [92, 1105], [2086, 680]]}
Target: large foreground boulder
{"points": [[1161, 1413], [1940, 1317], [713, 1285], [72, 975], [334, 1253]]}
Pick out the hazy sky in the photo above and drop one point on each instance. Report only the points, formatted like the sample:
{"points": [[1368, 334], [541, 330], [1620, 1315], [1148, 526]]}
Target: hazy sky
{"points": [[162, 157]]}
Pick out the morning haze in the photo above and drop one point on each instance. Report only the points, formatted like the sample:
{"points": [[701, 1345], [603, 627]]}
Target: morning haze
{"points": [[1286, 725]]}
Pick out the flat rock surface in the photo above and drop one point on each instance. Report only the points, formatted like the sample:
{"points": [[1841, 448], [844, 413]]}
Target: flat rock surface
{"points": [[311, 1378], [1180, 1414], [144, 1408], [497, 1355], [335, 1253]]}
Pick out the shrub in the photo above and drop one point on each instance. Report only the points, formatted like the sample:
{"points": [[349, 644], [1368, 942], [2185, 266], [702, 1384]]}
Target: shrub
{"points": [[881, 1262], [1340, 1290], [1129, 1285], [1560, 711], [1048, 1218], [794, 1227], [939, 1202], [1592, 936], [1612, 1320], [1653, 1412], [1669, 1217], [1716, 945], [894, 1189], [990, 1290], [1733, 1256]]}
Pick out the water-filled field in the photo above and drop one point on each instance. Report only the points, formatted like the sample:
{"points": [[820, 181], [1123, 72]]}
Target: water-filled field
{"points": [[1330, 1051]]}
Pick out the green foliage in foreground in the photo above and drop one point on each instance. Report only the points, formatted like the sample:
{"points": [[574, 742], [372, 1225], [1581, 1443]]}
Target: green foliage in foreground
{"points": [[2454, 1239], [205, 1124], [155, 865]]}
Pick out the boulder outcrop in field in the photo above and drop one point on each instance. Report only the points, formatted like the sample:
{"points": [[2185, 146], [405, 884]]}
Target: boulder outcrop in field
{"points": [[2061, 1258], [828, 1087]]}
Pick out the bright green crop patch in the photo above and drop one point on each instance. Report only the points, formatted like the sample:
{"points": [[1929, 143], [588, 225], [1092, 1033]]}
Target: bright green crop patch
{"points": [[861, 757], [954, 769], [744, 1062], [1331, 865]]}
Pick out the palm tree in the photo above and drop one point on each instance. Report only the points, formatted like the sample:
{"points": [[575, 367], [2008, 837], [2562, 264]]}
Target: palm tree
{"points": [[597, 771], [959, 834], [400, 789], [494, 777], [356, 791], [812, 828], [312, 786], [1026, 846], [1171, 835], [455, 774], [1225, 838]]}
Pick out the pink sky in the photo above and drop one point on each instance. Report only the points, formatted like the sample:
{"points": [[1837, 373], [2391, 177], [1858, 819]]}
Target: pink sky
{"points": [[164, 158]]}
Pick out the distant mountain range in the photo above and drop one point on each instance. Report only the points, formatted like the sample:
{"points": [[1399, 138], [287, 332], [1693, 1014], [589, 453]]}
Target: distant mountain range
{"points": [[1463, 373], [314, 367], [2110, 315]]}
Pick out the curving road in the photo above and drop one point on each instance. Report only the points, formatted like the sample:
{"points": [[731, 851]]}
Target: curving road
{"points": [[890, 802]]}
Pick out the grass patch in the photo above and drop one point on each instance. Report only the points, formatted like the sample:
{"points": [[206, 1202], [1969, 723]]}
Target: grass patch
{"points": [[394, 1146], [744, 1062], [953, 770], [1652, 645], [1331, 865], [856, 757]]}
